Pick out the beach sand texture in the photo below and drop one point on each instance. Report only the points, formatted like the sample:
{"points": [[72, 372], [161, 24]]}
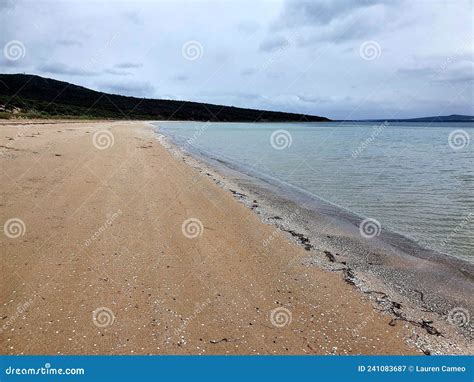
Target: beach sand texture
{"points": [[104, 259]]}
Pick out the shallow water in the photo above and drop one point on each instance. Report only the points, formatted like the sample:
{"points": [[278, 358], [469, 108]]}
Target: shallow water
{"points": [[413, 178]]}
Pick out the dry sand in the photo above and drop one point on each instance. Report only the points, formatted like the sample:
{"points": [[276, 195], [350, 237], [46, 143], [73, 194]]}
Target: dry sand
{"points": [[101, 236]]}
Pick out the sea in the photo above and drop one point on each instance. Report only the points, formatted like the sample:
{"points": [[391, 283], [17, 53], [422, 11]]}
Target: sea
{"points": [[414, 179]]}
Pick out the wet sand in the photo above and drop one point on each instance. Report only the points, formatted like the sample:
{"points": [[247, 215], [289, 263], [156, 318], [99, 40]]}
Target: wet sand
{"points": [[427, 289], [388, 264], [118, 247]]}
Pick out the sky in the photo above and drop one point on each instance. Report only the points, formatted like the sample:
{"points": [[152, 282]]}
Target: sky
{"points": [[339, 59]]}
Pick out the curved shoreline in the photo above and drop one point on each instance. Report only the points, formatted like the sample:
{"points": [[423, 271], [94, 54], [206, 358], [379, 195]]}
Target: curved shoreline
{"points": [[182, 261], [410, 282]]}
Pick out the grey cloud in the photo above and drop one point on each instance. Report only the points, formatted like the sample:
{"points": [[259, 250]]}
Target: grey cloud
{"points": [[4, 63], [457, 71], [58, 68], [231, 98], [129, 65], [69, 42], [273, 43], [350, 28], [337, 21], [300, 13], [273, 75], [417, 72], [248, 26], [311, 99], [221, 57], [7, 4], [134, 17], [116, 72], [181, 78], [248, 71]]}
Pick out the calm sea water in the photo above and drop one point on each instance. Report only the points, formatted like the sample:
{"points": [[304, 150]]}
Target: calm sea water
{"points": [[416, 179]]}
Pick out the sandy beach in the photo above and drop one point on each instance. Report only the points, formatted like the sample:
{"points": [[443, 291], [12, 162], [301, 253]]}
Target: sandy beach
{"points": [[113, 245]]}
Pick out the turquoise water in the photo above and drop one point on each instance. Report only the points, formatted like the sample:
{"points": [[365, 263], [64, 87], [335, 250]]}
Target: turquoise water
{"points": [[415, 179]]}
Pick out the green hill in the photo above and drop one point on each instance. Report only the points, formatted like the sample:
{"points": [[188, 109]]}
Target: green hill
{"points": [[38, 97]]}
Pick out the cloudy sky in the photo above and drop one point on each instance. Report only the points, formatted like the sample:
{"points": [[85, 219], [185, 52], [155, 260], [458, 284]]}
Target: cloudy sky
{"points": [[341, 59]]}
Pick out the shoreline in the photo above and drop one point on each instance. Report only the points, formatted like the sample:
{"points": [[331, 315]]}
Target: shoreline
{"points": [[443, 230], [105, 263], [399, 276]]}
